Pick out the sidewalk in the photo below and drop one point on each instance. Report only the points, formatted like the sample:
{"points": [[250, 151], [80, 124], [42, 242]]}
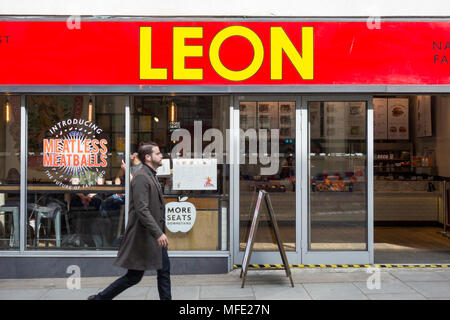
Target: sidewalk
{"points": [[310, 283]]}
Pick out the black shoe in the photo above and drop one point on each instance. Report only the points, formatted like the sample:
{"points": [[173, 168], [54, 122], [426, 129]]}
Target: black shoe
{"points": [[94, 297]]}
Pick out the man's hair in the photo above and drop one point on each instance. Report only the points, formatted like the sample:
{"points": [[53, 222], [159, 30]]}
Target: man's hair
{"points": [[144, 149]]}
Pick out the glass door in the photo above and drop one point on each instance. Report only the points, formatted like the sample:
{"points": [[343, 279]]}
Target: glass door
{"points": [[267, 159], [337, 225]]}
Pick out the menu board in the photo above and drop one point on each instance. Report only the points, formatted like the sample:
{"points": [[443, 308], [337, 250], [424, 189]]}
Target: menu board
{"points": [[380, 118], [268, 115], [356, 119], [314, 119], [334, 120], [287, 120], [423, 116], [398, 119], [248, 115], [344, 120], [194, 174]]}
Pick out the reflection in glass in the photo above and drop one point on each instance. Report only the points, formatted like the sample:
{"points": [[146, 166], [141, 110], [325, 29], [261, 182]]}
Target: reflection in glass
{"points": [[9, 172], [257, 118], [337, 175]]}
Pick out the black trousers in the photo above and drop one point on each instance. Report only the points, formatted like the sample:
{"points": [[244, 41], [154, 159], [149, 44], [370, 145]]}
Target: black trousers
{"points": [[133, 277]]}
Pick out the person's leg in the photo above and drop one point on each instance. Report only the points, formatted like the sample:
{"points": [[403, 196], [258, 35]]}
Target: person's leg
{"points": [[130, 279], [164, 277]]}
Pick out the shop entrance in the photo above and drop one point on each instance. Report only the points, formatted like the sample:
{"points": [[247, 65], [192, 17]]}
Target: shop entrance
{"points": [[267, 160], [337, 178], [411, 174], [319, 185]]}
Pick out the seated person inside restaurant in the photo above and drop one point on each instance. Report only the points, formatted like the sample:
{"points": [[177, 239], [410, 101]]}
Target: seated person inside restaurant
{"points": [[85, 210], [10, 200], [114, 201], [12, 178]]}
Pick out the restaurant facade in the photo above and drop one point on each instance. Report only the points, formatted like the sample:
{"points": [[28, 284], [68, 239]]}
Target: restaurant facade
{"points": [[342, 121]]}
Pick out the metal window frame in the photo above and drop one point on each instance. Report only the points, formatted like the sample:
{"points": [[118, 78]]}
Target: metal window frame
{"points": [[23, 172]]}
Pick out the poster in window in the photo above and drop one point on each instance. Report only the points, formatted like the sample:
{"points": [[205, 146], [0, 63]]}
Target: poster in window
{"points": [[380, 118], [287, 120], [248, 115], [356, 119], [268, 115], [195, 174], [334, 120], [423, 116], [398, 116]]}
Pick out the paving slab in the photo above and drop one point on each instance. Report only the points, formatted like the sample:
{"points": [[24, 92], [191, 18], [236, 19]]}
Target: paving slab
{"points": [[130, 298], [32, 283], [386, 287], [135, 291], [324, 277], [153, 294], [432, 289], [178, 293], [186, 292], [221, 292], [396, 296], [233, 298], [444, 273], [276, 292], [334, 291], [66, 294], [22, 294], [417, 275]]}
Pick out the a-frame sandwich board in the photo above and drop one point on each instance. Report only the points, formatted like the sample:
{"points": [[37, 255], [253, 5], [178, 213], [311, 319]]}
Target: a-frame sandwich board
{"points": [[263, 195]]}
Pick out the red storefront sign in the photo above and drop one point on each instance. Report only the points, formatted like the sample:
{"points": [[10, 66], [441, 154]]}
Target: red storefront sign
{"points": [[224, 53]]}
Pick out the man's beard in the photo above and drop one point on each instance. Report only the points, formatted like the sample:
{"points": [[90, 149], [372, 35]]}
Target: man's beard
{"points": [[157, 164]]}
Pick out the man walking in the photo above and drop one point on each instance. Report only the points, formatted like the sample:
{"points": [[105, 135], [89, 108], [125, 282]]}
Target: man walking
{"points": [[144, 246]]}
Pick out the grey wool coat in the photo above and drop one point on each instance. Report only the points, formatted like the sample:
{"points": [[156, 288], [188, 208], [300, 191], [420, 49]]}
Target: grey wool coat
{"points": [[139, 249]]}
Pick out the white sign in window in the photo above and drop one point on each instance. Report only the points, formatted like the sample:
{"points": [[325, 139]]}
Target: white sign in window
{"points": [[194, 174]]}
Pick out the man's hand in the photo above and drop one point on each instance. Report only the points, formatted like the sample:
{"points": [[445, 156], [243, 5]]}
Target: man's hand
{"points": [[163, 241]]}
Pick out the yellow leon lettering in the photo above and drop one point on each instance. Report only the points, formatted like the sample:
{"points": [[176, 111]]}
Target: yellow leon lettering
{"points": [[146, 71], [258, 56], [280, 43], [181, 51]]}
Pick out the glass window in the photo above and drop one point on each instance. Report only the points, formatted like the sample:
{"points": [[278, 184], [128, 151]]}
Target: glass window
{"points": [[337, 175], [75, 195], [9, 172], [267, 151], [191, 132]]}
